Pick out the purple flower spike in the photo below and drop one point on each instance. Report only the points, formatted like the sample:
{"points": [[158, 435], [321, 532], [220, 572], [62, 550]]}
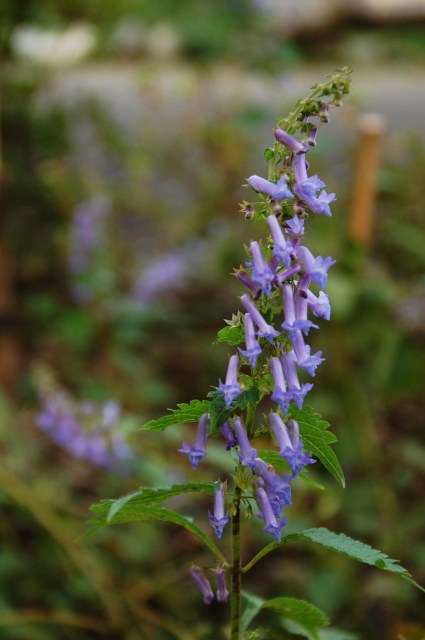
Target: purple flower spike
{"points": [[202, 582], [222, 593], [316, 268], [253, 349], [291, 142], [290, 444], [264, 330], [319, 306], [247, 453], [231, 388], [228, 435], [196, 452], [273, 525], [277, 191], [262, 275], [282, 248], [219, 520]]}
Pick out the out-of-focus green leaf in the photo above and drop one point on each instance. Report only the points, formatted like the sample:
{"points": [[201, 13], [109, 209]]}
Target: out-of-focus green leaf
{"points": [[185, 413]]}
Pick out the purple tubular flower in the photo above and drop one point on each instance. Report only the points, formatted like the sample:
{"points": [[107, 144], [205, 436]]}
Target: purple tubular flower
{"points": [[222, 593], [291, 142], [278, 489], [246, 280], [284, 275], [290, 444], [301, 307], [297, 391], [231, 389], [305, 188], [295, 226], [280, 394], [289, 304], [264, 330], [247, 453], [319, 306], [262, 275], [277, 191], [282, 248], [228, 435], [219, 520], [273, 525], [197, 451], [202, 582], [315, 268], [253, 348], [303, 354]]}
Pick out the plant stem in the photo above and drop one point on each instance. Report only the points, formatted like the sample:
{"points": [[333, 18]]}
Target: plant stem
{"points": [[235, 597]]}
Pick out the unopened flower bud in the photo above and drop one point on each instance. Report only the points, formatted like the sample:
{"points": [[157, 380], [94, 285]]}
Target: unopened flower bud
{"points": [[276, 208], [249, 212], [311, 140], [324, 112]]}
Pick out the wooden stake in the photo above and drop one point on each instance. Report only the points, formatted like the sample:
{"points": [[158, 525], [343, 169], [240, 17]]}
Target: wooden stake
{"points": [[361, 220]]}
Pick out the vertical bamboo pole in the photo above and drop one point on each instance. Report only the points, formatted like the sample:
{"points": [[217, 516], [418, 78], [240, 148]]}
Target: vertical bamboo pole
{"points": [[361, 219]]}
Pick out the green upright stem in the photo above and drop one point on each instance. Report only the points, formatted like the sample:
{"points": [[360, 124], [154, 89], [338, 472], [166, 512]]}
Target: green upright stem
{"points": [[235, 594]]}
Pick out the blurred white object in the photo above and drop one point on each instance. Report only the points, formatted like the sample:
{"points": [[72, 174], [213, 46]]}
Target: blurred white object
{"points": [[54, 48]]}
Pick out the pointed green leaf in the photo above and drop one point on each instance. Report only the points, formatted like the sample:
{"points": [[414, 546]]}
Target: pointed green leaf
{"points": [[146, 496], [317, 438], [185, 413], [140, 514], [231, 335], [251, 607], [306, 615], [347, 546]]}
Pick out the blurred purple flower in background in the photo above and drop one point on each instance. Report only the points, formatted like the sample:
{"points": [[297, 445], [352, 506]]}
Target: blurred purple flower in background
{"points": [[88, 430]]}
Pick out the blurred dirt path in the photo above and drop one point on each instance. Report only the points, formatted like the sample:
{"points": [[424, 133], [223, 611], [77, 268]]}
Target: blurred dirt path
{"points": [[128, 91]]}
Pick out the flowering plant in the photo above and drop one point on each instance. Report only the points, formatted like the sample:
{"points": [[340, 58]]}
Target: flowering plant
{"points": [[284, 285]]}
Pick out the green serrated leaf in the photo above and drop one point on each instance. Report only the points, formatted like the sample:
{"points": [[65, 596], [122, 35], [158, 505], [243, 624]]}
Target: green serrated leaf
{"points": [[303, 613], [185, 413], [317, 438], [231, 335], [132, 513], [354, 549], [146, 496]]}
